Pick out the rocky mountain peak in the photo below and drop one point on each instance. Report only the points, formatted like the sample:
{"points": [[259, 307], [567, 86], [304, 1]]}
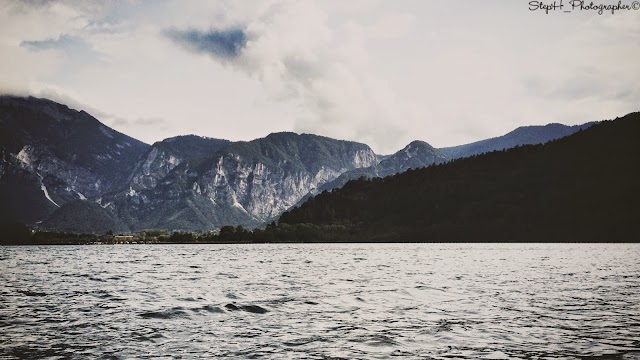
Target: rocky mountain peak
{"points": [[59, 154]]}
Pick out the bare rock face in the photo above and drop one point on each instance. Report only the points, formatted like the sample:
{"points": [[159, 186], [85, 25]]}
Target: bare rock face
{"points": [[165, 155], [417, 154], [244, 183], [73, 181]]}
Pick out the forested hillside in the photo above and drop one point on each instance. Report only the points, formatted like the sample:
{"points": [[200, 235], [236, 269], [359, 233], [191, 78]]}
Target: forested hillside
{"points": [[580, 188]]}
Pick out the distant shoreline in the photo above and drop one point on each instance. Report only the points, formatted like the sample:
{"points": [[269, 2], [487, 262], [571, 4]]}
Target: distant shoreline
{"points": [[22, 235]]}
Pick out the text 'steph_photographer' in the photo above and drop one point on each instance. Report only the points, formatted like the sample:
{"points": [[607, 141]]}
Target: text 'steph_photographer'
{"points": [[581, 5]]}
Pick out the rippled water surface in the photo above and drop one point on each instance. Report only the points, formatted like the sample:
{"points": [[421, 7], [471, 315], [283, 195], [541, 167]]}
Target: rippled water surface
{"points": [[321, 301]]}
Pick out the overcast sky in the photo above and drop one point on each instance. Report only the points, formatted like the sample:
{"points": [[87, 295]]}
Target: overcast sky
{"points": [[380, 72]]}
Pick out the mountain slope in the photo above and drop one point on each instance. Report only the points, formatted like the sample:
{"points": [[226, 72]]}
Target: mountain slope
{"points": [[22, 195], [95, 219], [525, 135], [425, 155], [244, 183], [165, 155], [58, 154], [579, 188], [416, 155]]}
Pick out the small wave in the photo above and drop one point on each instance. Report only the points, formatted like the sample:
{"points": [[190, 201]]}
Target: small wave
{"points": [[447, 325], [190, 299], [376, 340], [248, 334], [303, 341], [230, 276], [248, 308], [144, 337], [104, 294], [211, 309], [443, 289], [231, 307], [176, 312], [398, 352], [31, 293], [254, 309], [39, 263], [282, 300]]}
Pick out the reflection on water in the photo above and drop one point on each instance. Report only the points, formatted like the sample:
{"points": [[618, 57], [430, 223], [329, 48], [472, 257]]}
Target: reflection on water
{"points": [[321, 301]]}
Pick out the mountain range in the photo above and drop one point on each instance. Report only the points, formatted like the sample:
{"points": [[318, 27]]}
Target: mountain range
{"points": [[63, 169]]}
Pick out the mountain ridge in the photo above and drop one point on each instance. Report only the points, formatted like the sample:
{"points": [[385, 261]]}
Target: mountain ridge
{"points": [[523, 135], [243, 183], [53, 155]]}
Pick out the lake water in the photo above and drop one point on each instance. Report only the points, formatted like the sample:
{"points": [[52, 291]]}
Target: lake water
{"points": [[318, 301]]}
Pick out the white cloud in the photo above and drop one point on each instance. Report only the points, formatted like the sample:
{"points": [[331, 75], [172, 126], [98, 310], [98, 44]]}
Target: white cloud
{"points": [[296, 54], [381, 72], [392, 26]]}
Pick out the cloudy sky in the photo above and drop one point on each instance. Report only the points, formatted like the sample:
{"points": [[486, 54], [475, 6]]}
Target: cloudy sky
{"points": [[381, 72]]}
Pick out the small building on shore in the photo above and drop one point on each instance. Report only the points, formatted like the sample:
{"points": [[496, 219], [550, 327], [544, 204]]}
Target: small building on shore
{"points": [[123, 238]]}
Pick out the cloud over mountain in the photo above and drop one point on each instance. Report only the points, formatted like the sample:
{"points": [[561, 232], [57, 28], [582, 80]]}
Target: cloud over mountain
{"points": [[64, 41], [380, 72], [299, 56]]}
